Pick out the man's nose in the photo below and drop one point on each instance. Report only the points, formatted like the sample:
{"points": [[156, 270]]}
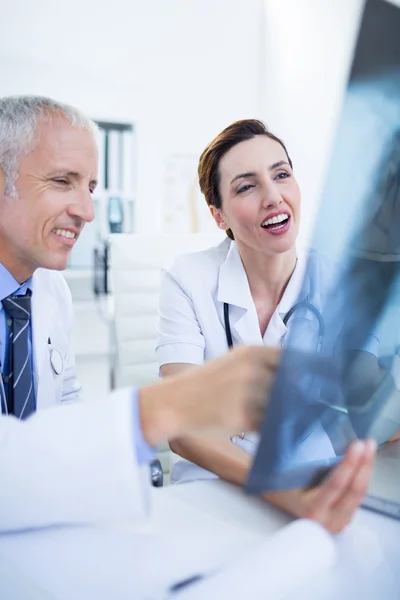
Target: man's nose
{"points": [[83, 207]]}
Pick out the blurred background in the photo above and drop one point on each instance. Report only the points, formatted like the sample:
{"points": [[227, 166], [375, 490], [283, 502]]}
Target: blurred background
{"points": [[162, 79]]}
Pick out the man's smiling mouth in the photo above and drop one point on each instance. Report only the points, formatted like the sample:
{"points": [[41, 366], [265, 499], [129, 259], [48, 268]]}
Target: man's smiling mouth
{"points": [[65, 233]]}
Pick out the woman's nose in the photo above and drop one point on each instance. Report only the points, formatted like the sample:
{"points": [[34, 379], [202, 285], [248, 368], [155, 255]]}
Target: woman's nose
{"points": [[272, 196]]}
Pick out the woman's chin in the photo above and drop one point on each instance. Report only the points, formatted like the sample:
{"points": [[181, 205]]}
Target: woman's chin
{"points": [[280, 245]]}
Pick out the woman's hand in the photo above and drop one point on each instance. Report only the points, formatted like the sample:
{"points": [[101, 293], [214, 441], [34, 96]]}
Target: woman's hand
{"points": [[333, 502]]}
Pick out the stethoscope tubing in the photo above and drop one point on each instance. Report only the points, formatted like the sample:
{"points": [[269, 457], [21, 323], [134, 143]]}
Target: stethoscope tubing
{"points": [[299, 305]]}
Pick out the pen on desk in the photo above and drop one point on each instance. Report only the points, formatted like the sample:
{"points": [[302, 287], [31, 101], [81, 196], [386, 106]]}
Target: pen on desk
{"points": [[184, 583]]}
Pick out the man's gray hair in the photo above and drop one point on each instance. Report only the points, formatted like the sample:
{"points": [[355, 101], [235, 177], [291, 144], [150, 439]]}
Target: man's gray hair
{"points": [[19, 120]]}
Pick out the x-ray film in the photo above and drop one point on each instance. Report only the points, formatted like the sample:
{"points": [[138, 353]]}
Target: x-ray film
{"points": [[314, 413]]}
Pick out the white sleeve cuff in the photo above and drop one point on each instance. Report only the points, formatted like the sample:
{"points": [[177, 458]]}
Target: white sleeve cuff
{"points": [[181, 352]]}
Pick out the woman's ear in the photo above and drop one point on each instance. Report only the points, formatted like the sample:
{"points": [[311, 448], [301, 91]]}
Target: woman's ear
{"points": [[218, 217]]}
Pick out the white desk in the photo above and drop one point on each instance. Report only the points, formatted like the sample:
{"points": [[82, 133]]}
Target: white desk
{"points": [[193, 528], [369, 549]]}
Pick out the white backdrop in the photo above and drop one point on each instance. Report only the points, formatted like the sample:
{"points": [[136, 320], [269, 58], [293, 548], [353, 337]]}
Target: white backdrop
{"points": [[308, 50], [181, 71]]}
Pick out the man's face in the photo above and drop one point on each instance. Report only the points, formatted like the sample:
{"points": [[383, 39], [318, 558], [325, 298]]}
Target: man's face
{"points": [[55, 183]]}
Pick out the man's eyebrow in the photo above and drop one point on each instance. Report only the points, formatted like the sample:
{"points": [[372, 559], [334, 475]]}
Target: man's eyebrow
{"points": [[65, 173], [280, 163]]}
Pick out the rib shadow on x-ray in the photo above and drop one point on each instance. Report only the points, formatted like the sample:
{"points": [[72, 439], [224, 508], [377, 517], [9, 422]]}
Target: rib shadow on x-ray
{"points": [[370, 287]]}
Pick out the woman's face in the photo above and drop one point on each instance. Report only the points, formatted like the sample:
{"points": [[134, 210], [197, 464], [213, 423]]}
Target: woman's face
{"points": [[260, 196]]}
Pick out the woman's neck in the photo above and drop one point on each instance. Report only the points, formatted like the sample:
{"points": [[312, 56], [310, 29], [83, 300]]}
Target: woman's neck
{"points": [[267, 274]]}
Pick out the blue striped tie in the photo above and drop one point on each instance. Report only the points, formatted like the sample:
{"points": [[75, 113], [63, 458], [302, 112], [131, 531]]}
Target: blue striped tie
{"points": [[21, 401]]}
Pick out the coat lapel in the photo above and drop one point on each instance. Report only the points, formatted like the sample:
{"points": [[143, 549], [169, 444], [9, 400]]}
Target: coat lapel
{"points": [[233, 288], [43, 305]]}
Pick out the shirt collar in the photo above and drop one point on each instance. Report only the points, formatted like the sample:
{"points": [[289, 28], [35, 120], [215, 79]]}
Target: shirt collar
{"points": [[294, 286], [233, 286], [9, 285]]}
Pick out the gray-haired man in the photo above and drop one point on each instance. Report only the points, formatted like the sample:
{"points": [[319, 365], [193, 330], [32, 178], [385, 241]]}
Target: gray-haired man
{"points": [[48, 170]]}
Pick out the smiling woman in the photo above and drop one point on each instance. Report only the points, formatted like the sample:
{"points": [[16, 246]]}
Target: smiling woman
{"points": [[223, 157], [241, 292]]}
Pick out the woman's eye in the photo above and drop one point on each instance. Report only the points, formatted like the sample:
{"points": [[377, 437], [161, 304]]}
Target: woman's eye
{"points": [[282, 175], [244, 188], [61, 180]]}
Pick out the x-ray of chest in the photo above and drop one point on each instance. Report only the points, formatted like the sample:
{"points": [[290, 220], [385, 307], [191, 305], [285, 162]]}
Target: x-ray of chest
{"points": [[348, 386]]}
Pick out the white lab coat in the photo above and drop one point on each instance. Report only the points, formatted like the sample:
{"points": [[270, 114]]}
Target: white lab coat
{"points": [[52, 319], [71, 465], [191, 325], [193, 291]]}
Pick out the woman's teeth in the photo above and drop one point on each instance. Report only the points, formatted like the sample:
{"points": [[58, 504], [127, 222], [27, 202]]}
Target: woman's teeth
{"points": [[275, 220], [65, 233]]}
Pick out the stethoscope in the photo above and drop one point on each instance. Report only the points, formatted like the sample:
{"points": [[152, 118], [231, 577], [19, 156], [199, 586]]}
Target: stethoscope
{"points": [[304, 304]]}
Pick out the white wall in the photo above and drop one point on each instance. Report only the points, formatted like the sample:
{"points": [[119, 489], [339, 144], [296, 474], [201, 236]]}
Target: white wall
{"points": [[309, 45], [181, 70]]}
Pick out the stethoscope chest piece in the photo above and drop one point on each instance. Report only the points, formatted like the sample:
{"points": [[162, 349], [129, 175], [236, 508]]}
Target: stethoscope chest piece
{"points": [[56, 361]]}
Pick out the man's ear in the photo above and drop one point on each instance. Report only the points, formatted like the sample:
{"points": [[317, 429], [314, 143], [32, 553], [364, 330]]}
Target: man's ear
{"points": [[2, 183], [218, 218]]}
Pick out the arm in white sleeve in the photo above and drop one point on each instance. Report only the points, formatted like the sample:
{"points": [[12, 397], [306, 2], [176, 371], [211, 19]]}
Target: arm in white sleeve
{"points": [[180, 339], [75, 464]]}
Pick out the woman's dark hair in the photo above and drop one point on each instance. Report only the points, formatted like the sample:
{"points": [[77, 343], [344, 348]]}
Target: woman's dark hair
{"points": [[208, 169]]}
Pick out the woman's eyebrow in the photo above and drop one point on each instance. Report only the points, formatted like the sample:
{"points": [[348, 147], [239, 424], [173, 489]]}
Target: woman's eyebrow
{"points": [[280, 163], [252, 174], [243, 175]]}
